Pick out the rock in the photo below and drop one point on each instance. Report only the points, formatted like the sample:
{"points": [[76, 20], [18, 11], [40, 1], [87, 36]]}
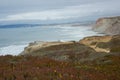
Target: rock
{"points": [[108, 25]]}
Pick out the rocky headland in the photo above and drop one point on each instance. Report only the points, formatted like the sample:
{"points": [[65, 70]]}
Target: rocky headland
{"points": [[85, 50], [108, 25]]}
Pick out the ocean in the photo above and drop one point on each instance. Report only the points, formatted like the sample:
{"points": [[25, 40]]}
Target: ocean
{"points": [[14, 39]]}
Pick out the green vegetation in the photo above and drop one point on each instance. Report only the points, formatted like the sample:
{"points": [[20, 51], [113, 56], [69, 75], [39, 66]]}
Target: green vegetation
{"points": [[64, 52], [36, 68]]}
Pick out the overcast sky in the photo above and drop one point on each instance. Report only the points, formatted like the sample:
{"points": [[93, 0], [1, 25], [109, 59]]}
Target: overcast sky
{"points": [[46, 10]]}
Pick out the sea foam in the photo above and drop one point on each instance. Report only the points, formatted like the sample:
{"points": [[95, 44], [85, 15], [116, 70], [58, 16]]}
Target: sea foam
{"points": [[12, 49]]}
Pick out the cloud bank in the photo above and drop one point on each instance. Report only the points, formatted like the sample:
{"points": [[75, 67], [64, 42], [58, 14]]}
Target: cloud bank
{"points": [[69, 12]]}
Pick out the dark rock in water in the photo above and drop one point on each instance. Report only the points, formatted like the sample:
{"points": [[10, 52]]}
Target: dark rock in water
{"points": [[108, 25]]}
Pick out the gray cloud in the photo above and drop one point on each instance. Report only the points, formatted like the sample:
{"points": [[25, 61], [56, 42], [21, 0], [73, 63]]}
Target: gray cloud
{"points": [[35, 5], [15, 10]]}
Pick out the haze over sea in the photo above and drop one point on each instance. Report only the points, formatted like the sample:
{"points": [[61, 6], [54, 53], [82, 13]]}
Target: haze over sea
{"points": [[14, 39]]}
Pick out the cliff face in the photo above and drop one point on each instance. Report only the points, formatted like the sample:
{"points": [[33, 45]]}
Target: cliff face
{"points": [[108, 25]]}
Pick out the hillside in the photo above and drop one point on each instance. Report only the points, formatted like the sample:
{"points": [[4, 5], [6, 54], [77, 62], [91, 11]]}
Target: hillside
{"points": [[36, 68], [86, 50]]}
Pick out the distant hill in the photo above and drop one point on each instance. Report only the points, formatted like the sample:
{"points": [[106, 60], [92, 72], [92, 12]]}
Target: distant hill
{"points": [[86, 23], [19, 25]]}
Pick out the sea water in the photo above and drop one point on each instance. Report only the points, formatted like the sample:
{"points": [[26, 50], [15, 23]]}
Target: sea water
{"points": [[14, 40]]}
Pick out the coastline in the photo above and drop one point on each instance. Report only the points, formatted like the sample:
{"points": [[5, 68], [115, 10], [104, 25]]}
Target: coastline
{"points": [[102, 44], [63, 33]]}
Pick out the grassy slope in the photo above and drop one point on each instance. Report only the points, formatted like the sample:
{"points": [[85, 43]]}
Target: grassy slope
{"points": [[36, 68]]}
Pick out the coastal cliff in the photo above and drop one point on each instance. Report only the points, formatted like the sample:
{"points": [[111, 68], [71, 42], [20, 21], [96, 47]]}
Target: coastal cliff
{"points": [[87, 49], [108, 25]]}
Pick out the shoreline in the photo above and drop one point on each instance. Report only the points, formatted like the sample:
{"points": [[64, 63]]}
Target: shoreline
{"points": [[110, 24], [64, 32]]}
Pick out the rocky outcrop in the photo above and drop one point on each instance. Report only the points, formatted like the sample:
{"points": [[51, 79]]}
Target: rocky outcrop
{"points": [[108, 25]]}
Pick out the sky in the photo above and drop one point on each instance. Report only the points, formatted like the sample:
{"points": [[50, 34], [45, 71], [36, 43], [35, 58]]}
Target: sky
{"points": [[16, 11]]}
